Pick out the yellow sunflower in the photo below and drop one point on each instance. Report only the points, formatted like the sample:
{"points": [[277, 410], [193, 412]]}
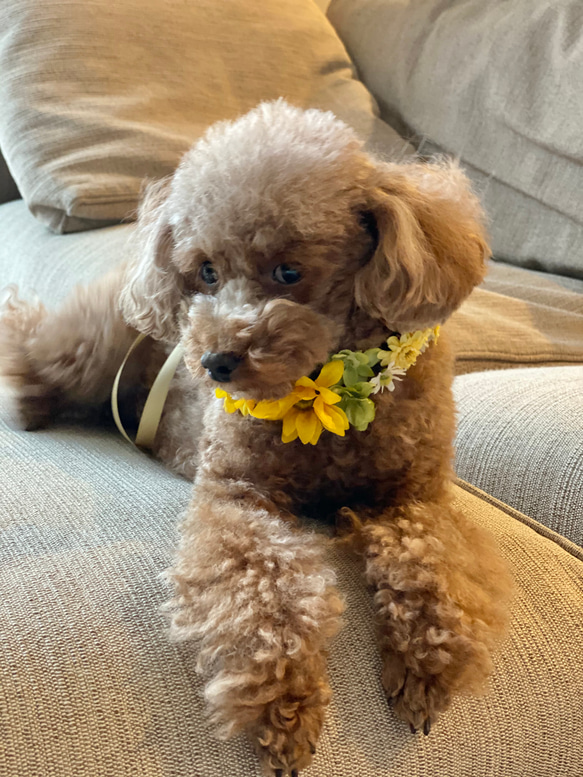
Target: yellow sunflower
{"points": [[309, 408], [244, 406]]}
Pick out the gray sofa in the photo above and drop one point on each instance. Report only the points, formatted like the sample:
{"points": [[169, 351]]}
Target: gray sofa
{"points": [[90, 685]]}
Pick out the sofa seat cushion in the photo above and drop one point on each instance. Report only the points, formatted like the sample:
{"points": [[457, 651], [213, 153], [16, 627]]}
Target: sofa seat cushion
{"points": [[498, 85], [520, 438], [91, 685], [517, 318], [96, 96]]}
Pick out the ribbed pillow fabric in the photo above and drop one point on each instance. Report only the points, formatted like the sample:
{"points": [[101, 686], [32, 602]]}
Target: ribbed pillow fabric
{"points": [[517, 318], [98, 95], [520, 438], [497, 84], [91, 686]]}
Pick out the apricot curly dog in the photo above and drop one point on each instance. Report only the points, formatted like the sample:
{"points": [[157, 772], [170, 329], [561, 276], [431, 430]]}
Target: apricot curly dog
{"points": [[277, 243]]}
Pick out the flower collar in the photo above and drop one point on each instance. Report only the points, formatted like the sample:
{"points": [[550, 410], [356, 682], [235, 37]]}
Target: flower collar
{"points": [[340, 396]]}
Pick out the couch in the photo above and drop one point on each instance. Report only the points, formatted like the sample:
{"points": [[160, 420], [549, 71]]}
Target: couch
{"points": [[90, 685]]}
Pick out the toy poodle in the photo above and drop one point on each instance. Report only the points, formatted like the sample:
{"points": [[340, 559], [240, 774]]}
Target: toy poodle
{"points": [[305, 282]]}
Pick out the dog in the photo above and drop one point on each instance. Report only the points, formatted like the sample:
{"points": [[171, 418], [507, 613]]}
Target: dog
{"points": [[278, 248]]}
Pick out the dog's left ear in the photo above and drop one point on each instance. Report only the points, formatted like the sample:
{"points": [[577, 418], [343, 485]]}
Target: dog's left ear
{"points": [[431, 249], [152, 289]]}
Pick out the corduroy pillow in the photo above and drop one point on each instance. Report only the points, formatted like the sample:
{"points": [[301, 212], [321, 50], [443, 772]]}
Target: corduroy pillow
{"points": [[498, 84], [98, 95]]}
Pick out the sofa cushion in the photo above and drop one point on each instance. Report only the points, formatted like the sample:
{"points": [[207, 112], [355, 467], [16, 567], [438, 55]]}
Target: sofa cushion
{"points": [[497, 84], [517, 318], [91, 685], [96, 96], [520, 438]]}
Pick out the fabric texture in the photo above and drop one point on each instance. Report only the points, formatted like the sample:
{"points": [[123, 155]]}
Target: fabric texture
{"points": [[517, 318], [91, 685], [497, 84], [520, 438], [96, 96]]}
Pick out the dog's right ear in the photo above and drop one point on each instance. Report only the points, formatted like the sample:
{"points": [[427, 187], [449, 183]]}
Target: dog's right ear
{"points": [[152, 292]]}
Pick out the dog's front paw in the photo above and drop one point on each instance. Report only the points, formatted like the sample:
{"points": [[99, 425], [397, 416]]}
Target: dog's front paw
{"points": [[286, 736], [416, 700]]}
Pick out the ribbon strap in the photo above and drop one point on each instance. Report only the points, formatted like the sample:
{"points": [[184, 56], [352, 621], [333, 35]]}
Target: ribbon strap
{"points": [[152, 412]]}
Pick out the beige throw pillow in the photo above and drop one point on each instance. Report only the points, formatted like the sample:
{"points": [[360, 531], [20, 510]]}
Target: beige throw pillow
{"points": [[98, 95], [499, 84]]}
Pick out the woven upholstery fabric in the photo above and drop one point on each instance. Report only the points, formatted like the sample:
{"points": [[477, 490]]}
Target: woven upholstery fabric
{"points": [[517, 318], [520, 438], [498, 85], [90, 684], [39, 261], [96, 96]]}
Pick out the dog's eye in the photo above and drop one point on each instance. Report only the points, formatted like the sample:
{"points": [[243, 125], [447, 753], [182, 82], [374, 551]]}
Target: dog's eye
{"points": [[285, 274], [209, 274]]}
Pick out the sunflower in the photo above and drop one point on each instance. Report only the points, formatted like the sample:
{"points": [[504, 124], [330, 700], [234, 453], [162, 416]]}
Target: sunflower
{"points": [[244, 406], [309, 408]]}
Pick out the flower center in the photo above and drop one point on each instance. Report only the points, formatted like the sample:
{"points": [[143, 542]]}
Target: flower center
{"points": [[304, 404]]}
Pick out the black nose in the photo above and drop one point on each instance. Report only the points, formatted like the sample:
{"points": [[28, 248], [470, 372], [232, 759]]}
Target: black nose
{"points": [[220, 366]]}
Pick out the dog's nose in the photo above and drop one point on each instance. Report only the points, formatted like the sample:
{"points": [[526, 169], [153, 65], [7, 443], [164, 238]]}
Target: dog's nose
{"points": [[220, 366]]}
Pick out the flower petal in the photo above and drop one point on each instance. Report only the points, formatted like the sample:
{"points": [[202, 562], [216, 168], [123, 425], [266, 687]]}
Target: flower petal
{"points": [[333, 418], [230, 404], [306, 424], [306, 382], [289, 437], [302, 392], [274, 409], [247, 406], [329, 397], [317, 433], [330, 374], [289, 430]]}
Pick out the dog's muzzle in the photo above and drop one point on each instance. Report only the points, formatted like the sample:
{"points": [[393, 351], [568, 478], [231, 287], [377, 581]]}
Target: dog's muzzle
{"points": [[220, 366]]}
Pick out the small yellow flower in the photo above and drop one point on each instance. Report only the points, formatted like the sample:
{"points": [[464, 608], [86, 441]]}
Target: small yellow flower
{"points": [[403, 351], [244, 406], [308, 422]]}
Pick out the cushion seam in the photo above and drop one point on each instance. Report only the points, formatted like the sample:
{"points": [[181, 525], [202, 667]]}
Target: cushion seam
{"points": [[539, 359], [570, 547]]}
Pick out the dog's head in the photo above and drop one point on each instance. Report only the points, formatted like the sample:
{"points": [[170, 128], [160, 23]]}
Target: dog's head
{"points": [[279, 241]]}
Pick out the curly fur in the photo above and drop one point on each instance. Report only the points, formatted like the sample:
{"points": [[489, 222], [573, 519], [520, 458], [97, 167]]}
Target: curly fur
{"points": [[381, 248]]}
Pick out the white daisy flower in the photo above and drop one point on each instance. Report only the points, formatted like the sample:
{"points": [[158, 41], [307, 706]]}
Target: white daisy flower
{"points": [[386, 379]]}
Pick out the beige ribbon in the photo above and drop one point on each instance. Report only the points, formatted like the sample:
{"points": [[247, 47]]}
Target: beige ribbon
{"points": [[152, 412]]}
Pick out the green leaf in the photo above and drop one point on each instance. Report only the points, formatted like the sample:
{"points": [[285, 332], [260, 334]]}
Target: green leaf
{"points": [[363, 389], [360, 412], [372, 356]]}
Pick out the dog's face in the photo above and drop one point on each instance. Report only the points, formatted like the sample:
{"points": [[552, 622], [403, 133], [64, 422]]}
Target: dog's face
{"points": [[278, 241]]}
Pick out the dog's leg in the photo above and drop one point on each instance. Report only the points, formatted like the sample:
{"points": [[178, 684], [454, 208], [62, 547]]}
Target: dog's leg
{"points": [[441, 594], [253, 589], [57, 361]]}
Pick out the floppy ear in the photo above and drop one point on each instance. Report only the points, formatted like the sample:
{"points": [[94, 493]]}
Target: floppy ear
{"points": [[153, 287], [431, 248]]}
